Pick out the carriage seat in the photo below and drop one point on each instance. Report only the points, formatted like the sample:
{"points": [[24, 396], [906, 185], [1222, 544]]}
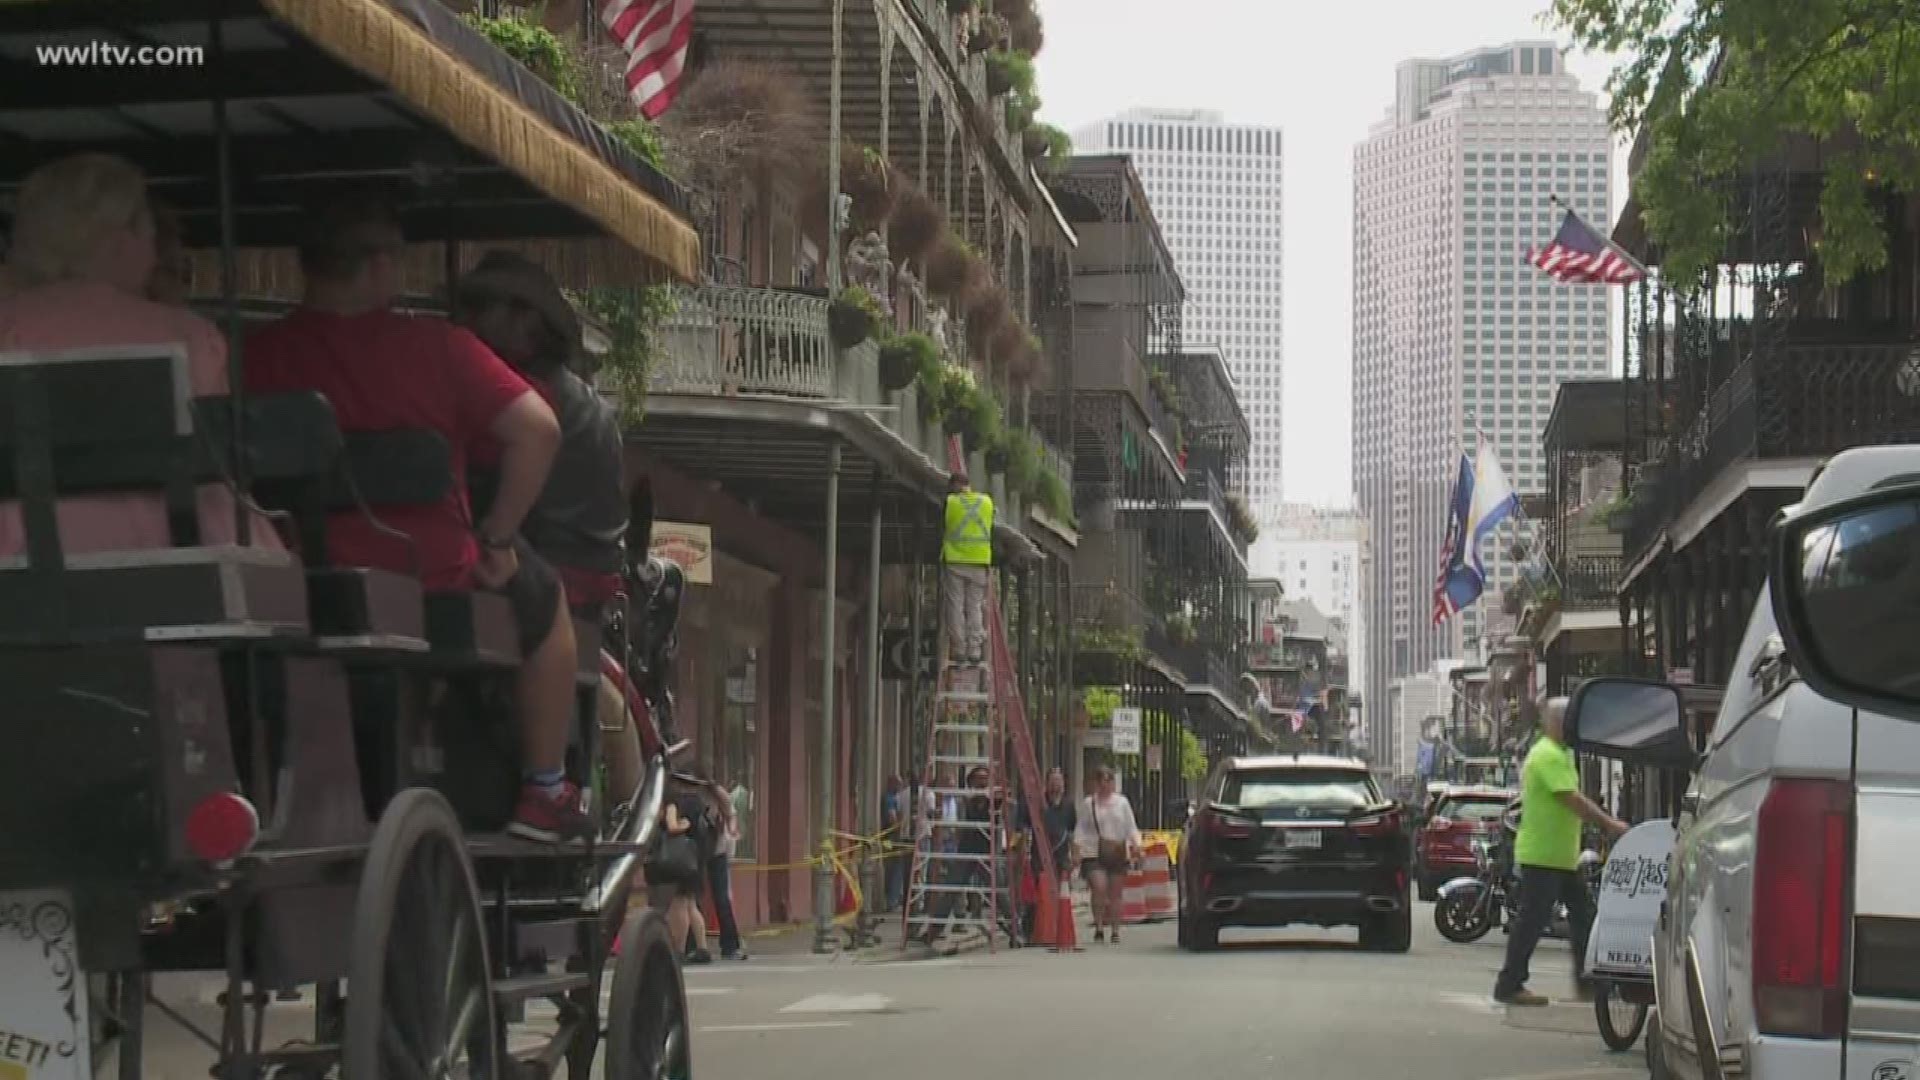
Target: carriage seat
{"points": [[461, 628], [121, 421]]}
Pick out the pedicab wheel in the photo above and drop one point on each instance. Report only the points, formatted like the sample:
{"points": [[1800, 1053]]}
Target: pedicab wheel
{"points": [[648, 1037], [418, 1002], [1620, 1020]]}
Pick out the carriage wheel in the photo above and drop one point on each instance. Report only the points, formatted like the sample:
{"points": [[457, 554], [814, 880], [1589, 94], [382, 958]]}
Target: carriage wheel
{"points": [[419, 1006], [648, 1037]]}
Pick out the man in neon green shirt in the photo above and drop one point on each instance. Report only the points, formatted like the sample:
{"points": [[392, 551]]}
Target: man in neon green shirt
{"points": [[966, 553], [1547, 853]]}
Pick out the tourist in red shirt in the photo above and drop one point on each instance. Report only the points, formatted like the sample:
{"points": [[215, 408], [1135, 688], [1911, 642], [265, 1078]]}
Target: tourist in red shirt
{"points": [[382, 370]]}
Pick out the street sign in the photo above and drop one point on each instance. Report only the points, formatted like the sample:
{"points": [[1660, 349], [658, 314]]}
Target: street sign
{"points": [[894, 660], [1680, 676], [1126, 731]]}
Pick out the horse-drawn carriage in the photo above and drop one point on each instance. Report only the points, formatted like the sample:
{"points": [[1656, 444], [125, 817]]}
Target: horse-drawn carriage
{"points": [[254, 764]]}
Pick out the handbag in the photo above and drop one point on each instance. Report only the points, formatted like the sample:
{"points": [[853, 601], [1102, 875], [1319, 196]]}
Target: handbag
{"points": [[677, 859], [1112, 854]]}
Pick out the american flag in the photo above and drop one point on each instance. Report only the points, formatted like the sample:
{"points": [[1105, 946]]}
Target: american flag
{"points": [[655, 35], [1579, 255]]}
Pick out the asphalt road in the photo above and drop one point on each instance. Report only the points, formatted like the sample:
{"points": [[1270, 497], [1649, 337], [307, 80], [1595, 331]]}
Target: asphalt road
{"points": [[1306, 1005], [1303, 1004]]}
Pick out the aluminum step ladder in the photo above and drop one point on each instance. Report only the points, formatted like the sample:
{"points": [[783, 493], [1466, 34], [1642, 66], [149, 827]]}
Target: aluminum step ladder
{"points": [[953, 890]]}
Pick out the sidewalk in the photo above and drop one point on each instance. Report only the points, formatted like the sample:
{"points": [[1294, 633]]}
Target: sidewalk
{"points": [[794, 942]]}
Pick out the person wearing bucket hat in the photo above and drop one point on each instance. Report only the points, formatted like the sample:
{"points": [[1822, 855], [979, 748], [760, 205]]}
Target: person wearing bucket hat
{"points": [[579, 522]]}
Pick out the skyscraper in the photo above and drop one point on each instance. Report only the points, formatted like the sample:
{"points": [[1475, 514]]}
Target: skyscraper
{"points": [[1454, 336], [1216, 190], [1319, 555]]}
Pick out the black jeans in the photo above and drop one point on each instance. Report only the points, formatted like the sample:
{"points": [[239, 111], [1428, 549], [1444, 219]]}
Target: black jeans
{"points": [[1540, 889], [720, 880]]}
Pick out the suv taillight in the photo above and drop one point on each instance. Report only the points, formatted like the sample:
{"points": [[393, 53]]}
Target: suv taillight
{"points": [[1799, 909], [1376, 824], [1229, 826]]}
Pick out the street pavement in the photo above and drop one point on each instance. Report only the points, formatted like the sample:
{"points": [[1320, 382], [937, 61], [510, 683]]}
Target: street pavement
{"points": [[1294, 1004], [1303, 1004]]}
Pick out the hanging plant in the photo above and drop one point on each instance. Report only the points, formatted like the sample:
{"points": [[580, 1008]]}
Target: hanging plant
{"points": [[1009, 71], [1025, 358], [903, 359], [1024, 30], [1054, 496], [989, 312], [913, 231], [868, 182], [853, 317], [971, 412], [1020, 461], [1059, 148], [991, 32], [954, 271], [742, 118]]}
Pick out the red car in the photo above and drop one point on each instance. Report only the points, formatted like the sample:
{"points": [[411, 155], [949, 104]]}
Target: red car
{"points": [[1443, 848]]}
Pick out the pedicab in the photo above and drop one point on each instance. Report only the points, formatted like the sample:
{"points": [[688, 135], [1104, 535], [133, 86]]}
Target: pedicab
{"points": [[283, 774], [1603, 721]]}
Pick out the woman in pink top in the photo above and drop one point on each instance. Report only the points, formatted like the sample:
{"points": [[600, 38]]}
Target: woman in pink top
{"points": [[76, 278]]}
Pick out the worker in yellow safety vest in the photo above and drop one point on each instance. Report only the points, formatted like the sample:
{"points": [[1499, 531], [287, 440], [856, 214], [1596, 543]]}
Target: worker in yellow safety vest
{"points": [[966, 553]]}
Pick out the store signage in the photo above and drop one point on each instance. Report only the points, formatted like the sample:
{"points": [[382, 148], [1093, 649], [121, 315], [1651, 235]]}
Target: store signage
{"points": [[687, 544]]}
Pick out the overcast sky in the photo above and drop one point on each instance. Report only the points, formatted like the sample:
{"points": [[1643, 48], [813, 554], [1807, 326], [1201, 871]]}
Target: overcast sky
{"points": [[1323, 72]]}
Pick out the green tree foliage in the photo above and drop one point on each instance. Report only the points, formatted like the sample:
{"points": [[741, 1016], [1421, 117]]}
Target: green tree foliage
{"points": [[1718, 85]]}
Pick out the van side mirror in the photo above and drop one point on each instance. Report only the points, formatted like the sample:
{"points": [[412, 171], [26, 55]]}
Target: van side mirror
{"points": [[1845, 588], [1637, 721]]}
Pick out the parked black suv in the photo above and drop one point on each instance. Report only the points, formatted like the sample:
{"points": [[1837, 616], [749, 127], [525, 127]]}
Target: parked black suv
{"points": [[1296, 839]]}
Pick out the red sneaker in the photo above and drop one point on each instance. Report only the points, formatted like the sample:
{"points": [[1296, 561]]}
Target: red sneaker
{"points": [[550, 818]]}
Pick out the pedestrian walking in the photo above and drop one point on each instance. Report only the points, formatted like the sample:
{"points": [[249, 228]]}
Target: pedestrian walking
{"points": [[673, 870], [1058, 819], [966, 555], [1547, 852], [1108, 840], [894, 820], [726, 830]]}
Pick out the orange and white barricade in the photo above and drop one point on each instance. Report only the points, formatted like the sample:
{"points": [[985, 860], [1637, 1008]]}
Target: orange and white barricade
{"points": [[1133, 898], [1156, 871]]}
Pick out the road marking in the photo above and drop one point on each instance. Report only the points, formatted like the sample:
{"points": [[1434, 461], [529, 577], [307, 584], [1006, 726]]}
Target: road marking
{"points": [[1480, 1003], [709, 991], [797, 1025], [840, 1003]]}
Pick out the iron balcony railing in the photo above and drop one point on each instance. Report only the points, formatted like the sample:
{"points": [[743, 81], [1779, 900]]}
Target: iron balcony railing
{"points": [[1812, 400], [949, 28], [731, 340], [1590, 581]]}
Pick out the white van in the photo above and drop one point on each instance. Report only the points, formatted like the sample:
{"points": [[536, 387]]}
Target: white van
{"points": [[1789, 942]]}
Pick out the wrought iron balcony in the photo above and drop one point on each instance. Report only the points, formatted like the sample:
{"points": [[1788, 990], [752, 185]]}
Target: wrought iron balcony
{"points": [[742, 341], [1811, 400], [1589, 582]]}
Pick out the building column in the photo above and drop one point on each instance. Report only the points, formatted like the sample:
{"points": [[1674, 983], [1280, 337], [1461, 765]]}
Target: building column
{"points": [[823, 890]]}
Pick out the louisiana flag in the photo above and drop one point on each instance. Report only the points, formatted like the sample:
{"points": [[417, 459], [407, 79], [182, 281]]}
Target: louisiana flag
{"points": [[1482, 499]]}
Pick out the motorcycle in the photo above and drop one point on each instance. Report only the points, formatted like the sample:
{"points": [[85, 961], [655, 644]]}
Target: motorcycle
{"points": [[1472, 904]]}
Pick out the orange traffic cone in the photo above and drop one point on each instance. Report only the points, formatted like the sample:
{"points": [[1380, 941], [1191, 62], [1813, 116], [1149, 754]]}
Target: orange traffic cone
{"points": [[1065, 939], [1046, 914]]}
